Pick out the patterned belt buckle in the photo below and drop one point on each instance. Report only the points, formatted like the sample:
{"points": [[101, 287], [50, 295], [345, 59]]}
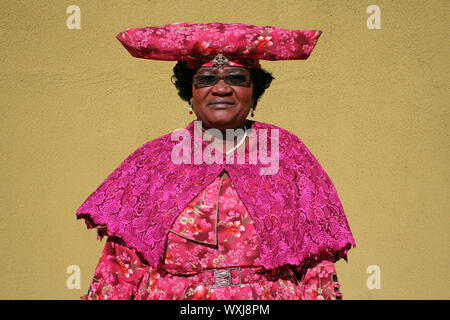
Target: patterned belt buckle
{"points": [[223, 278]]}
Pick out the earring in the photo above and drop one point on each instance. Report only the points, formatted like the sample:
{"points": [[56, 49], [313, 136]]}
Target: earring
{"points": [[253, 112], [190, 107]]}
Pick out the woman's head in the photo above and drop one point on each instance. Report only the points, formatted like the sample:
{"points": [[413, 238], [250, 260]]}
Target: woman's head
{"points": [[221, 98]]}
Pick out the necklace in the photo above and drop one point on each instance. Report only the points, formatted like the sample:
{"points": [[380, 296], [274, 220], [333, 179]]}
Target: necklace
{"points": [[240, 143]]}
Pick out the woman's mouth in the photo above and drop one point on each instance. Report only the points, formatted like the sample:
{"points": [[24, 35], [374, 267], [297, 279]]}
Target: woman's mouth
{"points": [[221, 104]]}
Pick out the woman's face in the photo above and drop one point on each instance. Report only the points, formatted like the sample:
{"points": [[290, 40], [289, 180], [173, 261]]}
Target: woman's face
{"points": [[225, 104]]}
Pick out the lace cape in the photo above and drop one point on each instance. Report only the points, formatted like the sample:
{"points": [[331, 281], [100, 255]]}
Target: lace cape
{"points": [[296, 211]]}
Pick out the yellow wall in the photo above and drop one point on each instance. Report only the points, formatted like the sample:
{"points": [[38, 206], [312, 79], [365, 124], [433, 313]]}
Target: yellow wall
{"points": [[371, 105]]}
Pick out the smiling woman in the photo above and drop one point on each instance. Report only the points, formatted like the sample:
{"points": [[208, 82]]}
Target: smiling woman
{"points": [[183, 79], [221, 230], [222, 98]]}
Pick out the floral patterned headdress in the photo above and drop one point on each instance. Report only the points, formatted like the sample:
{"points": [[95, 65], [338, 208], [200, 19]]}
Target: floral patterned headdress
{"points": [[233, 44]]}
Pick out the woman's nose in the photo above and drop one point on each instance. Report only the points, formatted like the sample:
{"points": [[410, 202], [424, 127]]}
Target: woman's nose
{"points": [[221, 88]]}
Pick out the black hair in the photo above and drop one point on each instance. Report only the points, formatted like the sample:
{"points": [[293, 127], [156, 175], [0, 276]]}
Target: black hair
{"points": [[183, 76]]}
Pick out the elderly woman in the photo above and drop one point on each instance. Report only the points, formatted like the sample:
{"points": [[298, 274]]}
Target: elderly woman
{"points": [[226, 208]]}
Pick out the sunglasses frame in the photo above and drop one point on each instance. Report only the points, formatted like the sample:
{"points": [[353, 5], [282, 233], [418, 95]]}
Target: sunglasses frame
{"points": [[217, 77]]}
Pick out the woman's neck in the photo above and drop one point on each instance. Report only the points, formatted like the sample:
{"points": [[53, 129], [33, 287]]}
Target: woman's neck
{"points": [[235, 133], [221, 140]]}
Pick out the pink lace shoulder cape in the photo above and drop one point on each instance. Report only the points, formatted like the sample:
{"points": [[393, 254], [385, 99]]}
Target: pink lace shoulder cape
{"points": [[296, 211]]}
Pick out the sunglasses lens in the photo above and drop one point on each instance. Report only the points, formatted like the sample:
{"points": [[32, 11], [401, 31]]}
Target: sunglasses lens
{"points": [[237, 80], [205, 80]]}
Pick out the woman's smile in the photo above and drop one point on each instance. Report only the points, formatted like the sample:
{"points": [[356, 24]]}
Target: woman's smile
{"points": [[221, 104]]}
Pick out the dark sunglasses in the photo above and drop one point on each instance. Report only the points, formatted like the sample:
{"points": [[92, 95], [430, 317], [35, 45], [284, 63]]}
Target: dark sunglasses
{"points": [[232, 79]]}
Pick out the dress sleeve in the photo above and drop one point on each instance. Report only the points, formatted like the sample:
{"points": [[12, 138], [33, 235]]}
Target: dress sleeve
{"points": [[320, 283], [117, 274]]}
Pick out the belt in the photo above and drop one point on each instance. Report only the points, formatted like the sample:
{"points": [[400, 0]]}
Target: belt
{"points": [[230, 277]]}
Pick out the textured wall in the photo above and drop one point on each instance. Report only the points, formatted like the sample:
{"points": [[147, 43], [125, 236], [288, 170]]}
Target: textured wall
{"points": [[371, 105]]}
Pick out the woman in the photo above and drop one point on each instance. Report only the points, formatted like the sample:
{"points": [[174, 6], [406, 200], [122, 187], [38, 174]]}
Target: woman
{"points": [[226, 217]]}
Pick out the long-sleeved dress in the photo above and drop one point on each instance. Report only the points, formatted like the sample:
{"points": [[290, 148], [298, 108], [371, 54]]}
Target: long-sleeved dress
{"points": [[211, 252]]}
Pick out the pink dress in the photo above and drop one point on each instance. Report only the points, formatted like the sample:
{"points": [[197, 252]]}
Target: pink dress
{"points": [[211, 253]]}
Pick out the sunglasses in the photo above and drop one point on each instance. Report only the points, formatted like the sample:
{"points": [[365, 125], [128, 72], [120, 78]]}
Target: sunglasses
{"points": [[240, 79]]}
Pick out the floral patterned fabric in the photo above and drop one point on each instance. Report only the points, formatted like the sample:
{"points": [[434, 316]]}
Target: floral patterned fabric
{"points": [[199, 43], [213, 234], [296, 211]]}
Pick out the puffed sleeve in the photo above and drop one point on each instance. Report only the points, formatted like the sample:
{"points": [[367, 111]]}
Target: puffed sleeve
{"points": [[320, 283], [117, 274]]}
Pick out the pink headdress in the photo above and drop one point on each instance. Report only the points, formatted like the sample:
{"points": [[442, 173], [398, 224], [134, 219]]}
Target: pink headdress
{"points": [[233, 43]]}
